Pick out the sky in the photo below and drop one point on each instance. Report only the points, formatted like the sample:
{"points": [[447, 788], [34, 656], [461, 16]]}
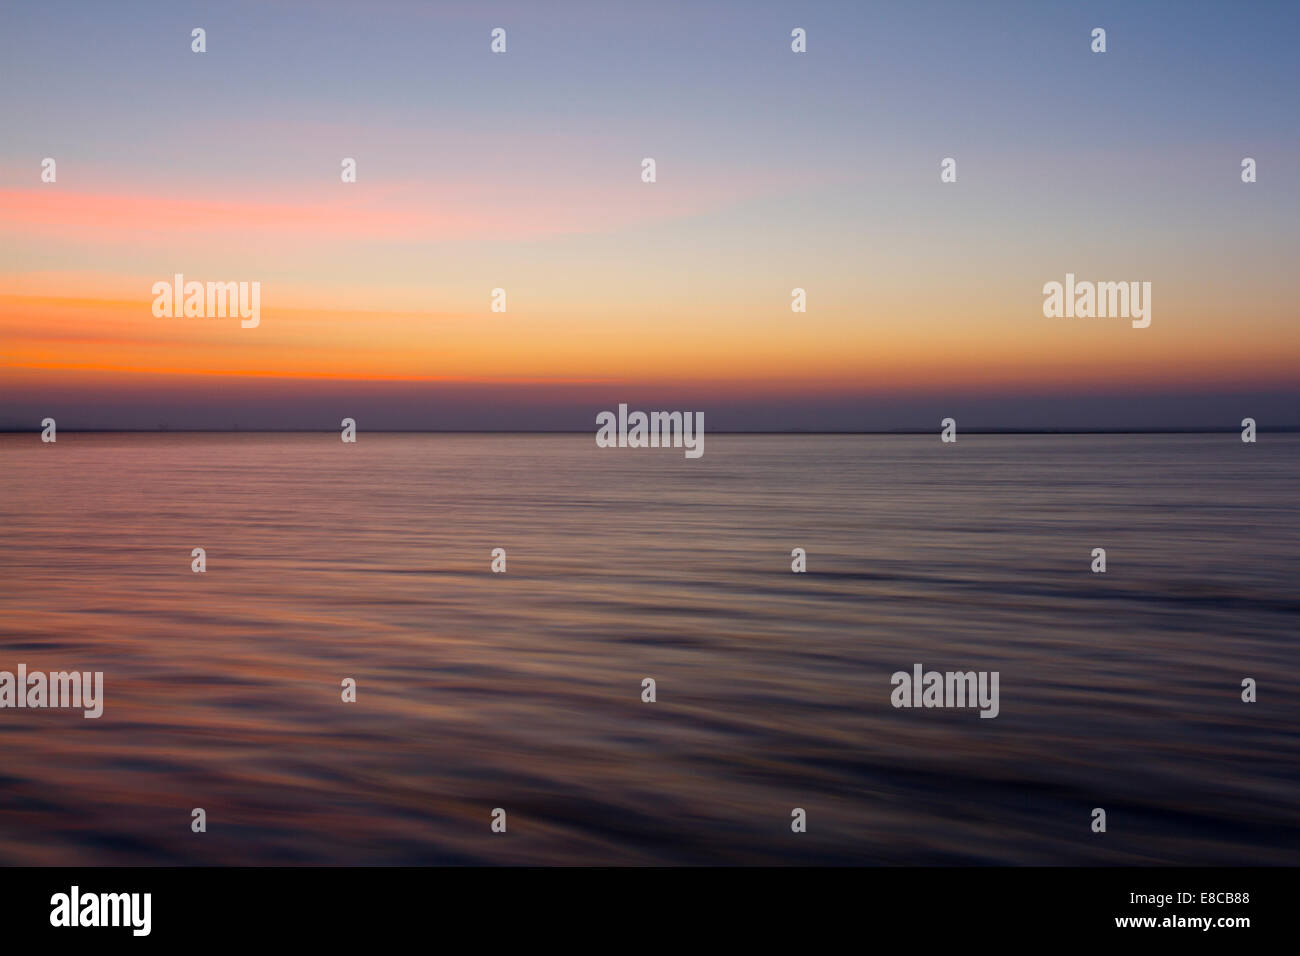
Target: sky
{"points": [[775, 171]]}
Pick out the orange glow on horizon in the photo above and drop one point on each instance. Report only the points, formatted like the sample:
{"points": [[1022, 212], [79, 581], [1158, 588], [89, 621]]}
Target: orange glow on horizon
{"points": [[77, 340]]}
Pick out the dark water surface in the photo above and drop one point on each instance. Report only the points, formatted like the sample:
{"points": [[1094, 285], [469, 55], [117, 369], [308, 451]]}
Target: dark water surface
{"points": [[522, 690]]}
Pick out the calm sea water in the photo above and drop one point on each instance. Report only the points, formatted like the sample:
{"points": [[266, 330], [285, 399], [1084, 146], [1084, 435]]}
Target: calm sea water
{"points": [[522, 690]]}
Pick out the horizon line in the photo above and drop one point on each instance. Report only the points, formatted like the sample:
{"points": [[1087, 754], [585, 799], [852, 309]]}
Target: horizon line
{"points": [[728, 431]]}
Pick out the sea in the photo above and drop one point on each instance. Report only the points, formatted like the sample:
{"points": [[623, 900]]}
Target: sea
{"points": [[518, 695]]}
